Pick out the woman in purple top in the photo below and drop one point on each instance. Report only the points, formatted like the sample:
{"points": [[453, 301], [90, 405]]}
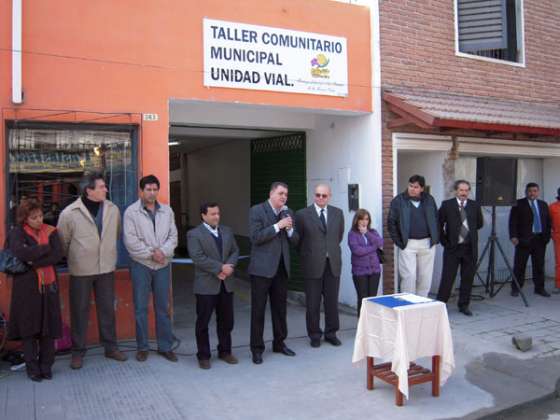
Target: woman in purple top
{"points": [[366, 268]]}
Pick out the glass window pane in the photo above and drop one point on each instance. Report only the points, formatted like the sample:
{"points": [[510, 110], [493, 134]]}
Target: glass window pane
{"points": [[48, 163]]}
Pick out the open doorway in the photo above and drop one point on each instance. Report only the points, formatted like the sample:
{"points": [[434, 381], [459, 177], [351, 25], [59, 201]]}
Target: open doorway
{"points": [[234, 168]]}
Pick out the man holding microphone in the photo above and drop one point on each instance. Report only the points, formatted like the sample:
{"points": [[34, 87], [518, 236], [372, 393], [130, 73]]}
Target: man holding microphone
{"points": [[271, 230]]}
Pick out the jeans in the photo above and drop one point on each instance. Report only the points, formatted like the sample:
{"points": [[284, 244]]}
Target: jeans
{"points": [[144, 281]]}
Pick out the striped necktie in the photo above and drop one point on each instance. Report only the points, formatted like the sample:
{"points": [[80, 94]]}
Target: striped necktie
{"points": [[464, 232]]}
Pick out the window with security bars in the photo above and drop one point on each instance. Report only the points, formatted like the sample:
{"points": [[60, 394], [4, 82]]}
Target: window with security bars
{"points": [[47, 161], [490, 28]]}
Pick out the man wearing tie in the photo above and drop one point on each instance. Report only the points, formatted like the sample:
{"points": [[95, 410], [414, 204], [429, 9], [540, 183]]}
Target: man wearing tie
{"points": [[459, 221], [214, 252], [321, 229], [529, 231], [271, 229]]}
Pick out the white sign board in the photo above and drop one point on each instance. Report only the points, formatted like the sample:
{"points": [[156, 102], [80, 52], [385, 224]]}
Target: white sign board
{"points": [[237, 55]]}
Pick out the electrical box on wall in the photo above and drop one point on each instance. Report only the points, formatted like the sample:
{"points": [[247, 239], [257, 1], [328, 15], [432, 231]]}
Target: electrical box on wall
{"points": [[353, 197]]}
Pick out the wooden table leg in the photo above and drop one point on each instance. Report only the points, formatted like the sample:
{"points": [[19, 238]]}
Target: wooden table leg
{"points": [[399, 397], [370, 373], [435, 373]]}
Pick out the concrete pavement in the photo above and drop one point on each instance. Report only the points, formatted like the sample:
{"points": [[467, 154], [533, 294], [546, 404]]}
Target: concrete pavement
{"points": [[490, 375]]}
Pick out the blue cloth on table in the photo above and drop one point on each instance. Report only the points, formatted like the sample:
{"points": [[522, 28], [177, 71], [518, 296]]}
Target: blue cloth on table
{"points": [[390, 301]]}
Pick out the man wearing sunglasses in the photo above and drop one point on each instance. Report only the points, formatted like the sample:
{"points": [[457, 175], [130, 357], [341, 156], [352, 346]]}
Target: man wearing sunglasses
{"points": [[321, 229]]}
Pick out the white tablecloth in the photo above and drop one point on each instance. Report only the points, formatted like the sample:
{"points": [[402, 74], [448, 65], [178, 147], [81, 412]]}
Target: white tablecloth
{"points": [[403, 334]]}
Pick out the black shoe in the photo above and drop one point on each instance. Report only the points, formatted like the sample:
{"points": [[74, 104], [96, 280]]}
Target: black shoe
{"points": [[465, 311], [257, 358], [333, 340], [315, 342], [542, 293], [46, 375], [285, 351], [35, 377], [515, 293]]}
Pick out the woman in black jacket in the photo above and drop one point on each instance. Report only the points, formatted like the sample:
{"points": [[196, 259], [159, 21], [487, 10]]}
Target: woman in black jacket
{"points": [[35, 305]]}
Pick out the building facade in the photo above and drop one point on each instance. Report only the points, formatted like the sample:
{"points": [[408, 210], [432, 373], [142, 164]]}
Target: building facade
{"points": [[216, 99], [467, 79]]}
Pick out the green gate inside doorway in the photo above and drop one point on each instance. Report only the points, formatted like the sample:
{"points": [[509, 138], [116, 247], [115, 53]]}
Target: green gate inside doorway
{"points": [[281, 159]]}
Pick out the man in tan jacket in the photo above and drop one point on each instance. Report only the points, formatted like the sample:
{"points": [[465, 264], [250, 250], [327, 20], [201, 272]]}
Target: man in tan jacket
{"points": [[88, 229]]}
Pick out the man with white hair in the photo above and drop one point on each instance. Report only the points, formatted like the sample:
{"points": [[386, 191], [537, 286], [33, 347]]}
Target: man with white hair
{"points": [[321, 229]]}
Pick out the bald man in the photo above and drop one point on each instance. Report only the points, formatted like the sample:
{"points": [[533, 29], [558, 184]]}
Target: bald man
{"points": [[321, 229]]}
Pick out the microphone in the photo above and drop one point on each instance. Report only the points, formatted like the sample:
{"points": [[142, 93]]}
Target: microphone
{"points": [[284, 212]]}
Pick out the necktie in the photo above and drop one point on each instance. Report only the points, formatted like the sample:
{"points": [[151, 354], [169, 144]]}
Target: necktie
{"points": [[323, 220], [464, 232], [537, 227]]}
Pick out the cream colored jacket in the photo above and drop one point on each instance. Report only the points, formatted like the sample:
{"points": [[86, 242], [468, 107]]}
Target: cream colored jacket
{"points": [[87, 252]]}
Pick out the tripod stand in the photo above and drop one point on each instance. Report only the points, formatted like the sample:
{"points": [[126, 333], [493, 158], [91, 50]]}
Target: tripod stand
{"points": [[491, 244]]}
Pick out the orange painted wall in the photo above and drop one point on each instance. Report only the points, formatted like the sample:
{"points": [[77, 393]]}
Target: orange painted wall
{"points": [[131, 57]]}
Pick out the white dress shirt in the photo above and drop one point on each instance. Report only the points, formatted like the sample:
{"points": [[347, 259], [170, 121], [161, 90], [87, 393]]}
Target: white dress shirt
{"points": [[318, 210], [213, 231]]}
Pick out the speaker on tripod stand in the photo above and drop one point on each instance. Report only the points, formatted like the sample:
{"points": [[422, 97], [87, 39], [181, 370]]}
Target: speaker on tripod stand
{"points": [[496, 185]]}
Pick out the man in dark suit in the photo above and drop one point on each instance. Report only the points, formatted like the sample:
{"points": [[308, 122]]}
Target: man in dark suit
{"points": [[271, 229], [214, 252], [321, 229], [529, 231], [459, 221]]}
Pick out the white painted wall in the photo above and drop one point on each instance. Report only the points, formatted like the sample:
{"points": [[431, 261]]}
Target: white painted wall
{"points": [[223, 174], [342, 151]]}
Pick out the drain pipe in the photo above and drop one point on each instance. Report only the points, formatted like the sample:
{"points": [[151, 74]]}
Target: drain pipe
{"points": [[17, 28]]}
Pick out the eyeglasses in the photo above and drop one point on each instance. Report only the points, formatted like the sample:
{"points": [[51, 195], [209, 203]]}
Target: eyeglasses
{"points": [[321, 195]]}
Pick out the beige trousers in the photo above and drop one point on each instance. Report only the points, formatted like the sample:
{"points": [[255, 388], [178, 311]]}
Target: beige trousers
{"points": [[416, 266]]}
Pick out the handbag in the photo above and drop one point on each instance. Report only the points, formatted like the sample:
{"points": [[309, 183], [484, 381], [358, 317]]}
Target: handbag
{"points": [[10, 264], [381, 256]]}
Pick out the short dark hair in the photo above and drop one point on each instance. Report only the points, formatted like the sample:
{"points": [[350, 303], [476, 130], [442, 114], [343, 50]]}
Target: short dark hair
{"points": [[205, 206], [148, 179], [88, 181], [531, 185], [26, 208], [360, 215], [277, 184], [417, 178], [459, 182]]}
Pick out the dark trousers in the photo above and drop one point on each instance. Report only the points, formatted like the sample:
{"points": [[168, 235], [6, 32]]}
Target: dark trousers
{"points": [[277, 289], [103, 286], [366, 286], [536, 248], [326, 287], [462, 256], [38, 353], [222, 303]]}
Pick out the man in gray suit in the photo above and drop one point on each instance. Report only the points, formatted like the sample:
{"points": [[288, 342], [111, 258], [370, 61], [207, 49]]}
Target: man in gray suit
{"points": [[321, 228], [214, 252], [271, 229]]}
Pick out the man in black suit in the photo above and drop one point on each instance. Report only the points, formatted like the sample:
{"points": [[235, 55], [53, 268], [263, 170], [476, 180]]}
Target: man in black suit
{"points": [[271, 229], [529, 231], [321, 228], [459, 221]]}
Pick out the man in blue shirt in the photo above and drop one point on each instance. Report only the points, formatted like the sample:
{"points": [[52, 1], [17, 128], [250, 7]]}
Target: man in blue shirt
{"points": [[529, 231]]}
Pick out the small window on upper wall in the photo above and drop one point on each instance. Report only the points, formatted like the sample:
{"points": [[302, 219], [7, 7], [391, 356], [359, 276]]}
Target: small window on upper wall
{"points": [[491, 29]]}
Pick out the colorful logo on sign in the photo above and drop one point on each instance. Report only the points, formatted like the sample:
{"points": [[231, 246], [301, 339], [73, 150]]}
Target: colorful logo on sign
{"points": [[319, 66]]}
